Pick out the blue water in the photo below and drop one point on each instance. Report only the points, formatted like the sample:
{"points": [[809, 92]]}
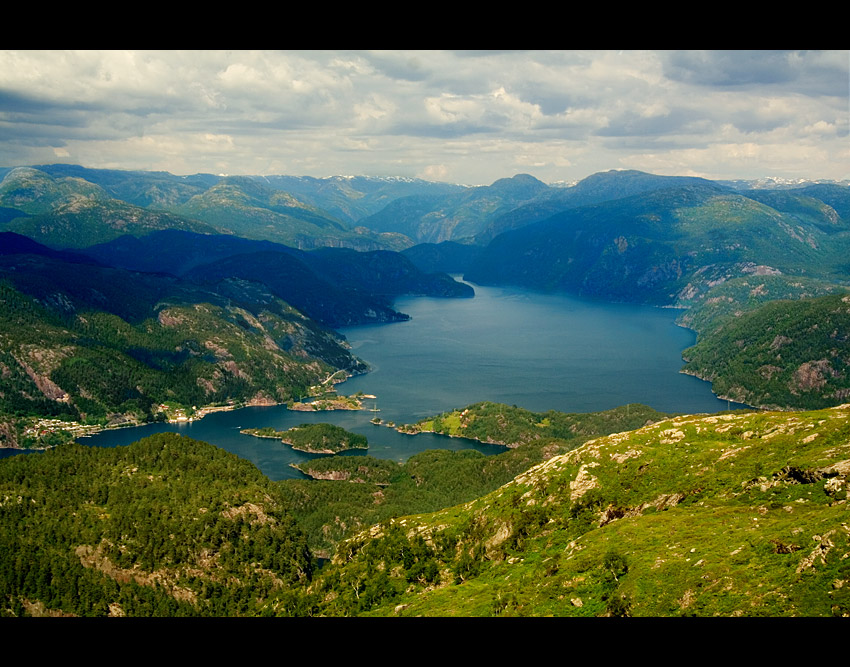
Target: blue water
{"points": [[508, 345]]}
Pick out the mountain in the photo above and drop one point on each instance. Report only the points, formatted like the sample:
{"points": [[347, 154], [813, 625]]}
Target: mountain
{"points": [[89, 343], [335, 286], [85, 222], [431, 218], [293, 280], [663, 247], [383, 273], [147, 189], [447, 257], [68, 212], [342, 198], [17, 244], [772, 183], [595, 189], [733, 298], [251, 209], [351, 198], [62, 208], [33, 192], [176, 252]]}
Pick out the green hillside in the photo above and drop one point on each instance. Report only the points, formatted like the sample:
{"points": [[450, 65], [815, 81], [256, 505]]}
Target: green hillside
{"points": [[107, 346], [740, 514], [69, 212], [783, 354], [665, 247], [167, 526], [329, 511]]}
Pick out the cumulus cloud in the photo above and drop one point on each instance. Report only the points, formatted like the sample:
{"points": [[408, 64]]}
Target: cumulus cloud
{"points": [[468, 116]]}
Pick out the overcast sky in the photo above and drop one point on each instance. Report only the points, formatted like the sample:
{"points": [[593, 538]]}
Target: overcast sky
{"points": [[464, 117]]}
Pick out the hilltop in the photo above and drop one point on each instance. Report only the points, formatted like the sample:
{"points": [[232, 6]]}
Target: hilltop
{"points": [[741, 514]]}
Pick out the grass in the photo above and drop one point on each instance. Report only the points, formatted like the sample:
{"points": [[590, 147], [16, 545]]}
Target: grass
{"points": [[742, 535]]}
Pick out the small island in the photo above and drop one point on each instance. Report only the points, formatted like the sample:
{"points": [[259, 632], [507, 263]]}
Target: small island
{"points": [[313, 438], [332, 401]]}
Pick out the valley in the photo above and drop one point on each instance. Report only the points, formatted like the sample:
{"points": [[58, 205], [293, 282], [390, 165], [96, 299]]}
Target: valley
{"points": [[566, 460]]}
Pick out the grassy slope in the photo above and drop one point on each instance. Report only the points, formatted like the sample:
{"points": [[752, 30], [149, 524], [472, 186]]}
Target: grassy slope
{"points": [[329, 511], [739, 514]]}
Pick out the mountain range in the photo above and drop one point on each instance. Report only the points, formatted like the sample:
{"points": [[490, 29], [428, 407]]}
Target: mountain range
{"points": [[129, 297]]}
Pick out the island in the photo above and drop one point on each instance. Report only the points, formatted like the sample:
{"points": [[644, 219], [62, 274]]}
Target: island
{"points": [[313, 438], [332, 401]]}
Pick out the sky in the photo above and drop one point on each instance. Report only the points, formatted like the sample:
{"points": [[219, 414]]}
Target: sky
{"points": [[467, 117]]}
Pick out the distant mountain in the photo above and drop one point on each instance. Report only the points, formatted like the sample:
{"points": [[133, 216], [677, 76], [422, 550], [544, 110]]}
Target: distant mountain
{"points": [[60, 208], [462, 215], [34, 192], [251, 209], [771, 183], [595, 189], [665, 246], [84, 222], [68, 212], [148, 189], [343, 198], [351, 198], [480, 214], [827, 206]]}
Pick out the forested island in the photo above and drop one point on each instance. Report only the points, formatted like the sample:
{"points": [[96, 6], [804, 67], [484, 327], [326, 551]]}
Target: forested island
{"points": [[313, 438]]}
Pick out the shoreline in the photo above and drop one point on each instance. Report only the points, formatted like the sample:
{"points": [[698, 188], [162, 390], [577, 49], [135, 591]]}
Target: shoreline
{"points": [[400, 429], [78, 430]]}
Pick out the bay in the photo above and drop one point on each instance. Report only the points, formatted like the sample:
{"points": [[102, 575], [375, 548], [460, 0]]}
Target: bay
{"points": [[509, 345]]}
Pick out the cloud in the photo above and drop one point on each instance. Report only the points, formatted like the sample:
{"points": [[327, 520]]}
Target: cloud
{"points": [[477, 115], [654, 124], [802, 71]]}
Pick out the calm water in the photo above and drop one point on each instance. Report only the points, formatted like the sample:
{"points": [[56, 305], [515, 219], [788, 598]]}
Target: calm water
{"points": [[538, 351]]}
